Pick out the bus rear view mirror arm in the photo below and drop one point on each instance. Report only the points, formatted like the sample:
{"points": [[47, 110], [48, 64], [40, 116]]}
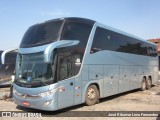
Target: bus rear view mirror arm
{"points": [[5, 52], [58, 44]]}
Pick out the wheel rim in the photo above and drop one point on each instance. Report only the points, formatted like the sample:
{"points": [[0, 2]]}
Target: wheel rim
{"points": [[91, 93]]}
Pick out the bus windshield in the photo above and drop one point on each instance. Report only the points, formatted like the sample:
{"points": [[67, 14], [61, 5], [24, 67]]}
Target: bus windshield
{"points": [[40, 34], [33, 70]]}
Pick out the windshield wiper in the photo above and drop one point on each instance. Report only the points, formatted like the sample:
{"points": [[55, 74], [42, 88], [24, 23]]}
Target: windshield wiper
{"points": [[43, 83]]}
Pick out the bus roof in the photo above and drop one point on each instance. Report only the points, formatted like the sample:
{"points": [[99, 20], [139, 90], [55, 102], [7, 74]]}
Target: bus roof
{"points": [[76, 19], [92, 22]]}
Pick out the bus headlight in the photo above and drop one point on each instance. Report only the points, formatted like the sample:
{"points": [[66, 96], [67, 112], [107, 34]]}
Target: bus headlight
{"points": [[50, 92]]}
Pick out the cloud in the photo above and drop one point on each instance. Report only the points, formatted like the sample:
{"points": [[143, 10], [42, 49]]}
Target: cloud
{"points": [[55, 13]]}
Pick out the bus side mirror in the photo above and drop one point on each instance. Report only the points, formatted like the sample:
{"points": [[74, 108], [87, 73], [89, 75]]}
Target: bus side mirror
{"points": [[4, 54]]}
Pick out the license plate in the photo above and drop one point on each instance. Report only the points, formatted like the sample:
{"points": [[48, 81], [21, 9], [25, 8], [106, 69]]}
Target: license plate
{"points": [[26, 103]]}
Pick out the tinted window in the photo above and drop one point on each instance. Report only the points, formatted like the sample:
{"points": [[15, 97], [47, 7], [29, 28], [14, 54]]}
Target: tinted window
{"points": [[109, 40], [42, 34], [77, 31], [69, 62], [101, 41], [118, 42]]}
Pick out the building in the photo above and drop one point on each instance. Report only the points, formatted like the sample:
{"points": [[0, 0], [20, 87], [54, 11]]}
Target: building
{"points": [[157, 42]]}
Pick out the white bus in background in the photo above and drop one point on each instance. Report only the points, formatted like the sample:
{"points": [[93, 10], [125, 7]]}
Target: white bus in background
{"points": [[69, 61]]}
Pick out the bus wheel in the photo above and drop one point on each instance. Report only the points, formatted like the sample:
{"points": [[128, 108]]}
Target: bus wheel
{"points": [[149, 83], [143, 84], [92, 95]]}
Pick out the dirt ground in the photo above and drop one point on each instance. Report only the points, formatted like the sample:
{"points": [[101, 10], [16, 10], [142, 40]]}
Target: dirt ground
{"points": [[135, 100]]}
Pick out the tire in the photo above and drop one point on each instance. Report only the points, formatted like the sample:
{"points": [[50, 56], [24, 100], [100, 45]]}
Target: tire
{"points": [[143, 84], [11, 92], [148, 83], [92, 95]]}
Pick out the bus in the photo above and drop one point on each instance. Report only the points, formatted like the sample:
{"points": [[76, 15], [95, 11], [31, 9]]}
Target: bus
{"points": [[69, 61]]}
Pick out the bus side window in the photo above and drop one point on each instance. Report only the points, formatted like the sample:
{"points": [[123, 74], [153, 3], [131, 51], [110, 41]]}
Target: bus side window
{"points": [[69, 63], [101, 40]]}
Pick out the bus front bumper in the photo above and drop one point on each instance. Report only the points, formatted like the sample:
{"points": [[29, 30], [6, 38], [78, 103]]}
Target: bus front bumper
{"points": [[47, 103]]}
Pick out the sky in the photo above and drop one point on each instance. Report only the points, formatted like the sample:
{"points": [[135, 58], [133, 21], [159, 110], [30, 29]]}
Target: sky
{"points": [[138, 17]]}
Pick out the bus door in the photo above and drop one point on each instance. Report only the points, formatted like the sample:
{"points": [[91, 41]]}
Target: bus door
{"points": [[66, 84], [65, 93]]}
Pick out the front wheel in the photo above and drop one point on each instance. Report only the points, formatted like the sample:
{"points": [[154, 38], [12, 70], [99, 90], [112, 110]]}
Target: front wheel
{"points": [[92, 95]]}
